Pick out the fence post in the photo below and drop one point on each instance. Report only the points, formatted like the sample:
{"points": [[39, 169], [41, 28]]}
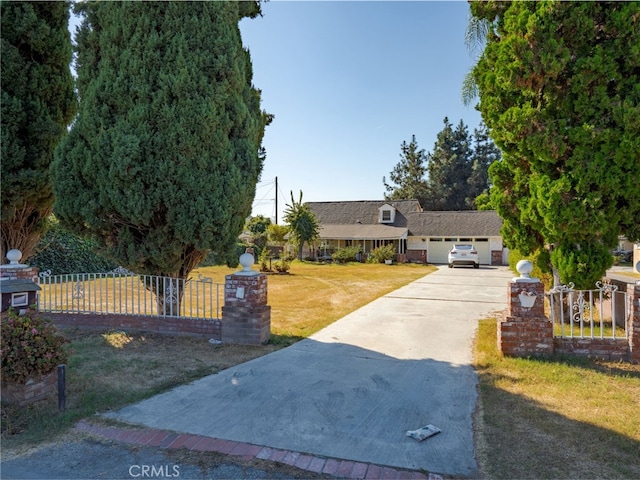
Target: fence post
{"points": [[246, 317], [525, 330], [633, 319]]}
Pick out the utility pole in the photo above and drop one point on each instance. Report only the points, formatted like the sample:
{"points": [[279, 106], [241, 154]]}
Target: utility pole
{"points": [[276, 200]]}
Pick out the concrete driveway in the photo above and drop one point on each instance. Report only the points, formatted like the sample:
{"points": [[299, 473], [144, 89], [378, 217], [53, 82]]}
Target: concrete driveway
{"points": [[352, 390]]}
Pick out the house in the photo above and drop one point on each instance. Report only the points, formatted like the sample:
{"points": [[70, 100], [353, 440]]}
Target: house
{"points": [[418, 236]]}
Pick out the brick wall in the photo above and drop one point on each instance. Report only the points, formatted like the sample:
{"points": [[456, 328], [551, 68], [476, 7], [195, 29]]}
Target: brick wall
{"points": [[164, 325], [33, 390], [416, 256], [603, 348], [528, 332], [246, 317]]}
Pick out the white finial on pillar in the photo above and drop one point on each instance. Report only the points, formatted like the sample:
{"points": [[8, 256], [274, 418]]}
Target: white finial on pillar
{"points": [[525, 267], [14, 257], [247, 260]]}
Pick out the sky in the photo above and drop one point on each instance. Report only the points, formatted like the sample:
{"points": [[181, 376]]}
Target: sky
{"points": [[348, 82]]}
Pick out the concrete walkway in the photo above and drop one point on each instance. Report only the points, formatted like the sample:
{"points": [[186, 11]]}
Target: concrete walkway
{"points": [[352, 390]]}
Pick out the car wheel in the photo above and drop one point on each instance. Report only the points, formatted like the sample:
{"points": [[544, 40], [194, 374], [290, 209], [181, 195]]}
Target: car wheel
{"points": [[451, 265], [476, 265]]}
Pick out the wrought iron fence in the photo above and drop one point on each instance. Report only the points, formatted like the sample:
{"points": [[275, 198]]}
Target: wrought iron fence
{"points": [[598, 313], [123, 292]]}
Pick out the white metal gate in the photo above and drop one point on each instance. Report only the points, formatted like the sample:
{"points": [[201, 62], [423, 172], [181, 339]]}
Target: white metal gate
{"points": [[123, 292], [598, 313]]}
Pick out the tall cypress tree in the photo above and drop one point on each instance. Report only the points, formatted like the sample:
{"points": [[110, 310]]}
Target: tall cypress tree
{"points": [[559, 90], [38, 103], [161, 165]]}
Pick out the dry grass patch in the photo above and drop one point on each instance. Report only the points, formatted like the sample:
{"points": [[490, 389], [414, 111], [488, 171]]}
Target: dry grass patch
{"points": [[555, 418], [315, 295]]}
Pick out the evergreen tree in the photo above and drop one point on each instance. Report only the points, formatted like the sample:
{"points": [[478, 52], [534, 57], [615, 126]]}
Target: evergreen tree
{"points": [[408, 175], [38, 103], [258, 227], [558, 86], [161, 164], [484, 154], [450, 167]]}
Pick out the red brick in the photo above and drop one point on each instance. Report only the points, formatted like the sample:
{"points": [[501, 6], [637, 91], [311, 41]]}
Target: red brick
{"points": [[330, 467], [179, 441], [290, 458], [316, 465], [278, 455], [359, 470], [374, 472], [344, 468], [147, 435], [389, 474], [227, 446], [191, 441], [168, 440], [157, 439], [303, 461], [264, 453]]}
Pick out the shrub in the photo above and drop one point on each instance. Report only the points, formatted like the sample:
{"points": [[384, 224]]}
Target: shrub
{"points": [[264, 260], [380, 254], [347, 254], [63, 252], [282, 266], [31, 347]]}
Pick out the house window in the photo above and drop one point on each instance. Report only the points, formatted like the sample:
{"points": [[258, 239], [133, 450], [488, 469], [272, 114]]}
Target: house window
{"points": [[387, 214]]}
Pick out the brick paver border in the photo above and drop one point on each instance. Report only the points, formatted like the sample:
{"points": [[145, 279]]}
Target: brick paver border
{"points": [[338, 468]]}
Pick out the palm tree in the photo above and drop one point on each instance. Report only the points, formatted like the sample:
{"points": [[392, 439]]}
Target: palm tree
{"points": [[303, 225]]}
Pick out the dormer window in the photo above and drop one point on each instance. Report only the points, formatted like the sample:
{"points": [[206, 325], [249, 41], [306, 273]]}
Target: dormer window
{"points": [[387, 214]]}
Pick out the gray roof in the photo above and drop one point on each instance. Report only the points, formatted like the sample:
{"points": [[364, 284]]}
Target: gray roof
{"points": [[359, 220], [466, 223], [362, 212], [362, 232]]}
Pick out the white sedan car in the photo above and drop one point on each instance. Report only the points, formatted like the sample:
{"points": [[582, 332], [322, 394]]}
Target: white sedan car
{"points": [[463, 254]]}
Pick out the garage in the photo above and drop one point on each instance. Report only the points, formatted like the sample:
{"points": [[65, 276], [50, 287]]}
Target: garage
{"points": [[438, 248]]}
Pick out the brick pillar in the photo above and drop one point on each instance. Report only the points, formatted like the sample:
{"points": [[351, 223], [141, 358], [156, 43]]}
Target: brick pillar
{"points": [[246, 317], [19, 273], [525, 330], [633, 326]]}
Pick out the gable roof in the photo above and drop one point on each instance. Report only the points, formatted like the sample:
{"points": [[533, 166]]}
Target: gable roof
{"points": [[362, 212], [466, 223]]}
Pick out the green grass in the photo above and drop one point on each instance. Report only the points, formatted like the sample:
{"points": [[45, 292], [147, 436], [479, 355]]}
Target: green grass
{"points": [[555, 418]]}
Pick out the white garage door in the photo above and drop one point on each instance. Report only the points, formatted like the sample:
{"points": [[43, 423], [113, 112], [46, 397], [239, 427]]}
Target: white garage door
{"points": [[438, 249]]}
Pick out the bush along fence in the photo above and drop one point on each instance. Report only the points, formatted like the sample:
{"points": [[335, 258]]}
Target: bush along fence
{"points": [[601, 323], [121, 300]]}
